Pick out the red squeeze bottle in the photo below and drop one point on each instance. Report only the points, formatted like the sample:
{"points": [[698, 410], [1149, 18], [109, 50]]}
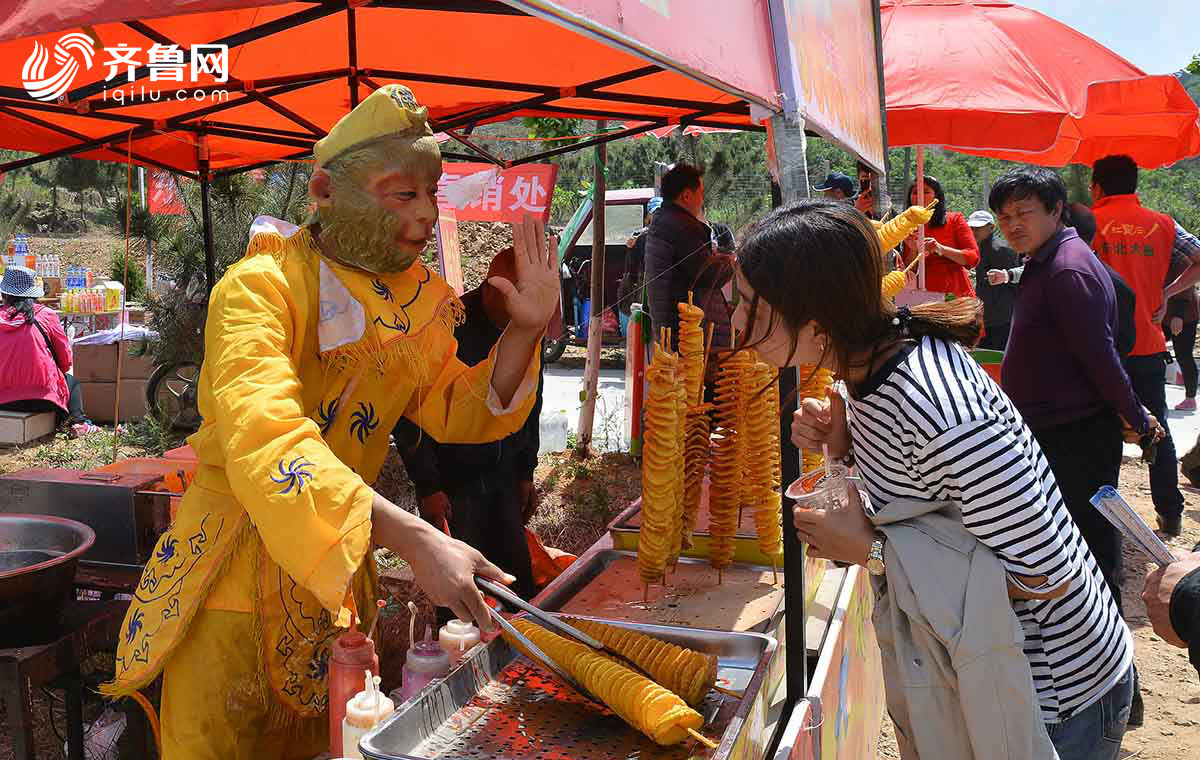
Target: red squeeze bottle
{"points": [[352, 653]]}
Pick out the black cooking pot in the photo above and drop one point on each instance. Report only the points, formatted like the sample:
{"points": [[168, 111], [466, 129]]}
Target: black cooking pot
{"points": [[38, 557]]}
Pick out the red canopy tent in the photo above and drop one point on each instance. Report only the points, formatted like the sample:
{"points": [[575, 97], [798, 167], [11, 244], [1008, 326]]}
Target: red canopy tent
{"points": [[999, 80], [296, 67]]}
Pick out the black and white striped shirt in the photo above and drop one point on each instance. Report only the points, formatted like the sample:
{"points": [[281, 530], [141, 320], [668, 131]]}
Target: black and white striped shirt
{"points": [[931, 425]]}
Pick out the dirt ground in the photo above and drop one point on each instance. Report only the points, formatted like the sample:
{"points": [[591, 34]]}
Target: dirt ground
{"points": [[1170, 685]]}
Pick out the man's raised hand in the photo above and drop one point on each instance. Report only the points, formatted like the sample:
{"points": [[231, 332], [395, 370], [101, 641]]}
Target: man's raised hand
{"points": [[531, 300]]}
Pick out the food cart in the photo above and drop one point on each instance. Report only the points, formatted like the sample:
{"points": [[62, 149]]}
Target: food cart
{"points": [[475, 62]]}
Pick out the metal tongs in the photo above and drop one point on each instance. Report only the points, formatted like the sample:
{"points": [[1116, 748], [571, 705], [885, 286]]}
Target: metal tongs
{"points": [[554, 622]]}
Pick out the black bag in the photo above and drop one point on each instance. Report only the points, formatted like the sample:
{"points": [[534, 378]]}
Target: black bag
{"points": [[1126, 303]]}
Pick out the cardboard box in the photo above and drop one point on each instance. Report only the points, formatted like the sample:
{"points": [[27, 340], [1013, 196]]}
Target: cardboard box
{"points": [[99, 398], [99, 363], [23, 427]]}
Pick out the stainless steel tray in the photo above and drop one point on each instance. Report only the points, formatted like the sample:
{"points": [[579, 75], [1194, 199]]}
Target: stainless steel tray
{"points": [[497, 704], [604, 582]]}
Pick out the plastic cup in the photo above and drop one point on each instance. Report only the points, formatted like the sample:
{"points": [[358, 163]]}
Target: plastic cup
{"points": [[819, 490]]}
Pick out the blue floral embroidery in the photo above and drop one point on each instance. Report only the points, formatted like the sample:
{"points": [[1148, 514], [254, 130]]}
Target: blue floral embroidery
{"points": [[296, 475], [135, 625], [363, 422], [325, 416], [400, 322], [382, 290], [318, 666], [167, 550]]}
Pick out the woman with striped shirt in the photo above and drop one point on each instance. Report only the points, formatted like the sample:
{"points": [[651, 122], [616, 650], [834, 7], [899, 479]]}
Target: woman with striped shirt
{"points": [[923, 422]]}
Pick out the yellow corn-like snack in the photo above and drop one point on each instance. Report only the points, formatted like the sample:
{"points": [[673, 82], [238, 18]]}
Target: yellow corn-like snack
{"points": [[677, 470], [688, 673], [758, 484], [893, 283], [691, 350], [893, 232], [747, 499], [816, 387], [661, 472], [695, 461], [696, 424], [640, 702], [729, 460]]}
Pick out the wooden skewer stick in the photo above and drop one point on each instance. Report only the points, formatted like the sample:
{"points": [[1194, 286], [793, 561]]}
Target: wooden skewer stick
{"points": [[913, 263], [645, 593], [931, 204], [727, 692], [774, 572], [720, 577], [702, 738], [690, 298]]}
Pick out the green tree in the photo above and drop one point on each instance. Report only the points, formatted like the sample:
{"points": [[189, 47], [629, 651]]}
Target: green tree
{"points": [[77, 175], [1194, 66], [13, 210]]}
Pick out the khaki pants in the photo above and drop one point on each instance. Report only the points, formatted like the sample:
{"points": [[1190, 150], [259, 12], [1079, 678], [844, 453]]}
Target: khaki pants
{"points": [[213, 707]]}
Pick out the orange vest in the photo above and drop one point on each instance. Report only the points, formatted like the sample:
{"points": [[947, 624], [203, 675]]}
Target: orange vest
{"points": [[1137, 242]]}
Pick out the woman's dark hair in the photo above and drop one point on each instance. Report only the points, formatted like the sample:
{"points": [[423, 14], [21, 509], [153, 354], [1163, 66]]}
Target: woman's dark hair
{"points": [[678, 178], [1082, 219], [1028, 182], [1116, 175], [939, 211], [22, 306], [819, 261]]}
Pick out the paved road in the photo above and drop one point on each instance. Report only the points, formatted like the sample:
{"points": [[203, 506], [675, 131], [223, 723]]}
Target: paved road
{"points": [[560, 396]]}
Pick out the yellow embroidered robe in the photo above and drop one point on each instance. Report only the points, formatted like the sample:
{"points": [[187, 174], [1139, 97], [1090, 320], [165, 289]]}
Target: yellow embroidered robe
{"points": [[308, 365]]}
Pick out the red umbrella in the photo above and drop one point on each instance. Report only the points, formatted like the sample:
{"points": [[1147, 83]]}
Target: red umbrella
{"points": [[999, 80]]}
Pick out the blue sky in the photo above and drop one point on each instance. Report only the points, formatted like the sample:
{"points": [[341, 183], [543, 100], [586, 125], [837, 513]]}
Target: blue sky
{"points": [[1159, 36]]}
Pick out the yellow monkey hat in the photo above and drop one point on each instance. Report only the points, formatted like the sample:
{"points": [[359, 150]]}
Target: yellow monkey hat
{"points": [[390, 110]]}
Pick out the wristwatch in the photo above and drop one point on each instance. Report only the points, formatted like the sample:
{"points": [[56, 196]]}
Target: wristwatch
{"points": [[875, 556]]}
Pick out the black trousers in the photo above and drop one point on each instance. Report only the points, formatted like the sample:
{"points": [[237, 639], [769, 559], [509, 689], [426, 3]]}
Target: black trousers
{"points": [[73, 414], [1148, 376], [1085, 455], [491, 523], [996, 337], [1184, 346]]}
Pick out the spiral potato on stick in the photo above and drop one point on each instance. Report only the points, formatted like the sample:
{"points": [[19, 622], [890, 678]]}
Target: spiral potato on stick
{"points": [[661, 476], [688, 673], [655, 711], [729, 459], [759, 484], [893, 232]]}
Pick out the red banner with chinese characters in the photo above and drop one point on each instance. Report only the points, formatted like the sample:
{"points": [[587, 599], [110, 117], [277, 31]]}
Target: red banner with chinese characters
{"points": [[449, 253], [487, 193], [162, 193]]}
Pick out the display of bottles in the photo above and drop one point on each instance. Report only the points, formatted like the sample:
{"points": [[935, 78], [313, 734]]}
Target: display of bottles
{"points": [[77, 277], [48, 266], [84, 301]]}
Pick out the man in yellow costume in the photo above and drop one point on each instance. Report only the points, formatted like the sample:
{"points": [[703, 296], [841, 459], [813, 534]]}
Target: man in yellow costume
{"points": [[317, 342]]}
